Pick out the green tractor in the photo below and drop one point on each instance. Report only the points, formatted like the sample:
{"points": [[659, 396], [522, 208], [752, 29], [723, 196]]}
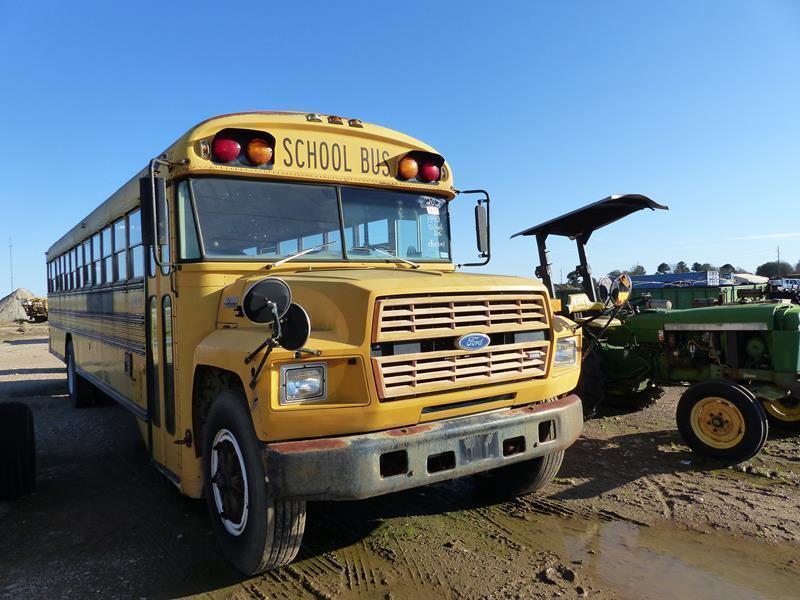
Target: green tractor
{"points": [[742, 361]]}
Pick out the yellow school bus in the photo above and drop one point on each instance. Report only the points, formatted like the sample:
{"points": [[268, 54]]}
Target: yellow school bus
{"points": [[274, 299]]}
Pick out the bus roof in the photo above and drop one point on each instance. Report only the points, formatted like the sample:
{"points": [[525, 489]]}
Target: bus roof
{"points": [[367, 155]]}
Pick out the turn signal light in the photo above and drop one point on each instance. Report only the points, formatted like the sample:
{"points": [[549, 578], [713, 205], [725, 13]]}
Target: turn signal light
{"points": [[408, 168], [225, 149], [259, 152]]}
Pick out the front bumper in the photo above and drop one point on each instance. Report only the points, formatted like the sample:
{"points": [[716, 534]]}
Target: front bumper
{"points": [[361, 466]]}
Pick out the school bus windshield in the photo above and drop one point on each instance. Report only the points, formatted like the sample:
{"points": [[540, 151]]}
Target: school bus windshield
{"points": [[263, 220]]}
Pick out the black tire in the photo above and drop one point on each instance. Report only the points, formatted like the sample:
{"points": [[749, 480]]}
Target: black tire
{"points": [[81, 392], [521, 478], [591, 384], [265, 532], [17, 451], [723, 420]]}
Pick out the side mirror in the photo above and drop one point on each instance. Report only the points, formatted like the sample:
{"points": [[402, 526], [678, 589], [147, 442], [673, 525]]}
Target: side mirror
{"points": [[266, 299], [154, 209], [604, 286], [482, 229], [621, 290]]}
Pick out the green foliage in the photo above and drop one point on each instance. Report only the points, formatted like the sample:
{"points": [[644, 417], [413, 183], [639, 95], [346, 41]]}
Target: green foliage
{"points": [[663, 268], [727, 268], [637, 269], [773, 269], [680, 267]]}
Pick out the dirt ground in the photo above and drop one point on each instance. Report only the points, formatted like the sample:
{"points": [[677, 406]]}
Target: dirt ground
{"points": [[632, 514]]}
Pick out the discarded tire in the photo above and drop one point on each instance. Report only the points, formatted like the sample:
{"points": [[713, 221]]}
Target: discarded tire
{"points": [[17, 451]]}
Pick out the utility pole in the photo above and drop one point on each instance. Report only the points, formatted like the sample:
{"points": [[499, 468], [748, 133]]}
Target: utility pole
{"points": [[11, 262], [779, 262]]}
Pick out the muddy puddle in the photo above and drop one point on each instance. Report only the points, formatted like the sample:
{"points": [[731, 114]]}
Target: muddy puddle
{"points": [[662, 561], [529, 549]]}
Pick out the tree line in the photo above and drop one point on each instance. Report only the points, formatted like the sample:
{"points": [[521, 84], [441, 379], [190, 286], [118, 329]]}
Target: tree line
{"points": [[768, 269]]}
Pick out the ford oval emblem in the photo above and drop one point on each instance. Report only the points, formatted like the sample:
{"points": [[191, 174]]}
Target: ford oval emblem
{"points": [[473, 341]]}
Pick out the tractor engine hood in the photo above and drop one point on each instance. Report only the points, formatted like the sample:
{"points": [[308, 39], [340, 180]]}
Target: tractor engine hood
{"points": [[739, 317], [340, 301]]}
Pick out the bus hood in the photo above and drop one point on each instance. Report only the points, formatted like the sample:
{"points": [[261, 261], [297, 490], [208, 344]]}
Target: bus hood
{"points": [[340, 302]]}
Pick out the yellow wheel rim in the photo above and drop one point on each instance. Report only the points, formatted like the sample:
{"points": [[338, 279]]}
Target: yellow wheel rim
{"points": [[784, 409], [717, 422]]}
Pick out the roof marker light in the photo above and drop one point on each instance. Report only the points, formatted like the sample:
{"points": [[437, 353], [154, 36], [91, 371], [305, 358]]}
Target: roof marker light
{"points": [[355, 123], [334, 120], [313, 117]]}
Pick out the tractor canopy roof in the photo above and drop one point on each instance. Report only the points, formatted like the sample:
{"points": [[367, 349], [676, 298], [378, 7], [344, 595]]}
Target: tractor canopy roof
{"points": [[581, 223]]}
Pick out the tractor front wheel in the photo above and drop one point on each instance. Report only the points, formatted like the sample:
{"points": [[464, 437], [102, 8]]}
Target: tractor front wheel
{"points": [[723, 420], [784, 413]]}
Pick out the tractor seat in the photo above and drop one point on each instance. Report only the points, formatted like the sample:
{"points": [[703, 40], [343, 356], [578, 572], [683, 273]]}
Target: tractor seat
{"points": [[579, 303]]}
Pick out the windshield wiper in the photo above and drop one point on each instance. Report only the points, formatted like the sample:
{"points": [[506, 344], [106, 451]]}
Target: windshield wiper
{"points": [[387, 253], [294, 255]]}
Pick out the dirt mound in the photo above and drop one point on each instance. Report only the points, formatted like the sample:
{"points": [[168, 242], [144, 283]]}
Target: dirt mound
{"points": [[11, 306]]}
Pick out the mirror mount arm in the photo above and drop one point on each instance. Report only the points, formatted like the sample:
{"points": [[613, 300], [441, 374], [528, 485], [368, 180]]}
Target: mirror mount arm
{"points": [[269, 344], [487, 255]]}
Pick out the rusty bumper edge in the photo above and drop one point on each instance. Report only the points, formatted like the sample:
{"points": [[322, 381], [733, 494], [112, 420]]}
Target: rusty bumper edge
{"points": [[349, 467]]}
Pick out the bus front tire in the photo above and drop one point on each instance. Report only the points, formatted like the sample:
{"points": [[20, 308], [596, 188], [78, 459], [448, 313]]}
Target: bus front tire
{"points": [[81, 392], [17, 451], [522, 478], [256, 531]]}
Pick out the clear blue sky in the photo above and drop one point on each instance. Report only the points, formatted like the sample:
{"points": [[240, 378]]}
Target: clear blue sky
{"points": [[549, 106]]}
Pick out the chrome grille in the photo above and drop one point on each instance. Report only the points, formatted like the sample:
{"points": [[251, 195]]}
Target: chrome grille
{"points": [[426, 319]]}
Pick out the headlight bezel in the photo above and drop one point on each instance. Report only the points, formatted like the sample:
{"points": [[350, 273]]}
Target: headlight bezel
{"points": [[285, 399], [572, 341]]}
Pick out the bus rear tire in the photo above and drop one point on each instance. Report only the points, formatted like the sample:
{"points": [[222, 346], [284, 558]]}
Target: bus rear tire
{"points": [[17, 451], [256, 531], [81, 392], [522, 478]]}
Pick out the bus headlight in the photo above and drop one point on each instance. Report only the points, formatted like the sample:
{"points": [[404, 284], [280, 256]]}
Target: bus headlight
{"points": [[303, 383], [566, 351]]}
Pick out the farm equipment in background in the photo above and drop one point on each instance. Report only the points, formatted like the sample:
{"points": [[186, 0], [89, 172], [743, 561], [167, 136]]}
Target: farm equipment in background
{"points": [[742, 360], [36, 309]]}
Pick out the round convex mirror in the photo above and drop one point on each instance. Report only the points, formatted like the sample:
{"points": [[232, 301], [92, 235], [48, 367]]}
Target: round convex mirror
{"points": [[621, 290], [604, 285], [295, 328], [258, 296]]}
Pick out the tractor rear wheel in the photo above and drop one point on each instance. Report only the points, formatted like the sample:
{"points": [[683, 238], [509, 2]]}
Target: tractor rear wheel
{"points": [[783, 413], [723, 420]]}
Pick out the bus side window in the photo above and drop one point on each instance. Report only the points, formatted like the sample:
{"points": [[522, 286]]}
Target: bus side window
{"points": [[188, 244], [135, 244], [120, 250], [169, 372], [87, 263], [153, 403], [97, 266], [108, 261]]}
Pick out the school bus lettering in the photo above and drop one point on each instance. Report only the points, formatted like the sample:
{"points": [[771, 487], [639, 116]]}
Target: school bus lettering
{"points": [[277, 342], [324, 156]]}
